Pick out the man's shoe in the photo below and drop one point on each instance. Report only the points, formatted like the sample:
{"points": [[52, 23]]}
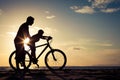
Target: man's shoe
{"points": [[21, 64]]}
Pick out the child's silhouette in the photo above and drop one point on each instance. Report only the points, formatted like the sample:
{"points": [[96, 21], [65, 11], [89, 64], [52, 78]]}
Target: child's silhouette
{"points": [[34, 39]]}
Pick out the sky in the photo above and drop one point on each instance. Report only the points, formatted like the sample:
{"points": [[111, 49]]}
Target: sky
{"points": [[88, 31]]}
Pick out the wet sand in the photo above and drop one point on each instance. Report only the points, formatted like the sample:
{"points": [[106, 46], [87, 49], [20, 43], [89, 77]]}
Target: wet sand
{"points": [[66, 74]]}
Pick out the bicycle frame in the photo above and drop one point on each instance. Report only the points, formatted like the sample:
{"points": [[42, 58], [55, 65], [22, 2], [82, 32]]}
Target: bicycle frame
{"points": [[47, 45]]}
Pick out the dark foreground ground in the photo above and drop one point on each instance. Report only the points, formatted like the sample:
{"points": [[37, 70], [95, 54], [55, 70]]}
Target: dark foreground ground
{"points": [[66, 74]]}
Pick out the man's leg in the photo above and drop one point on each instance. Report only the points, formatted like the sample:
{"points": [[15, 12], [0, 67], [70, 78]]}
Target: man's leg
{"points": [[20, 55], [17, 63], [17, 55]]}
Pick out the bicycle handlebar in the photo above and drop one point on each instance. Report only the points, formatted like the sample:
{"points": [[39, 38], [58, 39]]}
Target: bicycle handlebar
{"points": [[49, 38]]}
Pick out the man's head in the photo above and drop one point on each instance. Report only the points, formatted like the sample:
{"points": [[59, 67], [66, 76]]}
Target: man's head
{"points": [[30, 20]]}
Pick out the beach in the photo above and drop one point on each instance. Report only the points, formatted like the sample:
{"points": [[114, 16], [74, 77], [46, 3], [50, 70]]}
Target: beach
{"points": [[69, 73]]}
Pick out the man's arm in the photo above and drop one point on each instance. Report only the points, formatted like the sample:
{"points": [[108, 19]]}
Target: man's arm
{"points": [[26, 32]]}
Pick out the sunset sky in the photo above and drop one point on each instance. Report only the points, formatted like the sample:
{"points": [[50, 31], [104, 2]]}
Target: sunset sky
{"points": [[88, 31]]}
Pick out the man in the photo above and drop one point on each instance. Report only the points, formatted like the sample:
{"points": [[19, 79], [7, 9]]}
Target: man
{"points": [[22, 34]]}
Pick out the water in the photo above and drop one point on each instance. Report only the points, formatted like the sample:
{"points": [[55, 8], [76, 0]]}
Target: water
{"points": [[92, 67]]}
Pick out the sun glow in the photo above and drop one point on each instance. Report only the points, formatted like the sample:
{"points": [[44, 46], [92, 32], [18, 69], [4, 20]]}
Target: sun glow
{"points": [[26, 41]]}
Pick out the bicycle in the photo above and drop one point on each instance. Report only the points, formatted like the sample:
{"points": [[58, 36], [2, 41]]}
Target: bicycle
{"points": [[55, 56]]}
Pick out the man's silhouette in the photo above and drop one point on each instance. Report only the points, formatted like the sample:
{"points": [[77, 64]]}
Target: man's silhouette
{"points": [[22, 34]]}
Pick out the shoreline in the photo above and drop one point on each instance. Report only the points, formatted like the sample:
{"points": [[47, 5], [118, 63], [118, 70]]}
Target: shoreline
{"points": [[69, 67]]}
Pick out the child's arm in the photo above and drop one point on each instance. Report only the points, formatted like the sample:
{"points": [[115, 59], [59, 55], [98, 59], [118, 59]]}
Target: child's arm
{"points": [[46, 37]]}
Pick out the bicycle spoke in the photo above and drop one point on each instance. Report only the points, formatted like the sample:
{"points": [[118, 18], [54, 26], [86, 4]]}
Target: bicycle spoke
{"points": [[55, 59]]}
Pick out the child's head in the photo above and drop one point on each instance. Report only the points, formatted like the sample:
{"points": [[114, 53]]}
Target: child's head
{"points": [[40, 32]]}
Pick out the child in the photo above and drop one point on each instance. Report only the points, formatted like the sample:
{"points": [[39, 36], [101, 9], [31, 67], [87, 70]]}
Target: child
{"points": [[34, 39]]}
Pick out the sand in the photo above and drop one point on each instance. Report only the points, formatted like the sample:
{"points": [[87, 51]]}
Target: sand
{"points": [[65, 74]]}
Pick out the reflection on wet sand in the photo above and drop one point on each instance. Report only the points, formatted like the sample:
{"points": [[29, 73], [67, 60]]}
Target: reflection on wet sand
{"points": [[66, 74]]}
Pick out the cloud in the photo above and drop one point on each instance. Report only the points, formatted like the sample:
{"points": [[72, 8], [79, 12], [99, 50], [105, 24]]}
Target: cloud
{"points": [[97, 6], [94, 42], [50, 17], [105, 44], [76, 48], [110, 10], [83, 10], [47, 12], [100, 3]]}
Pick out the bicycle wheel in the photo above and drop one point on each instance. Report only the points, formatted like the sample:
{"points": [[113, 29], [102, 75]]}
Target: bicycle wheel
{"points": [[55, 59], [12, 60]]}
